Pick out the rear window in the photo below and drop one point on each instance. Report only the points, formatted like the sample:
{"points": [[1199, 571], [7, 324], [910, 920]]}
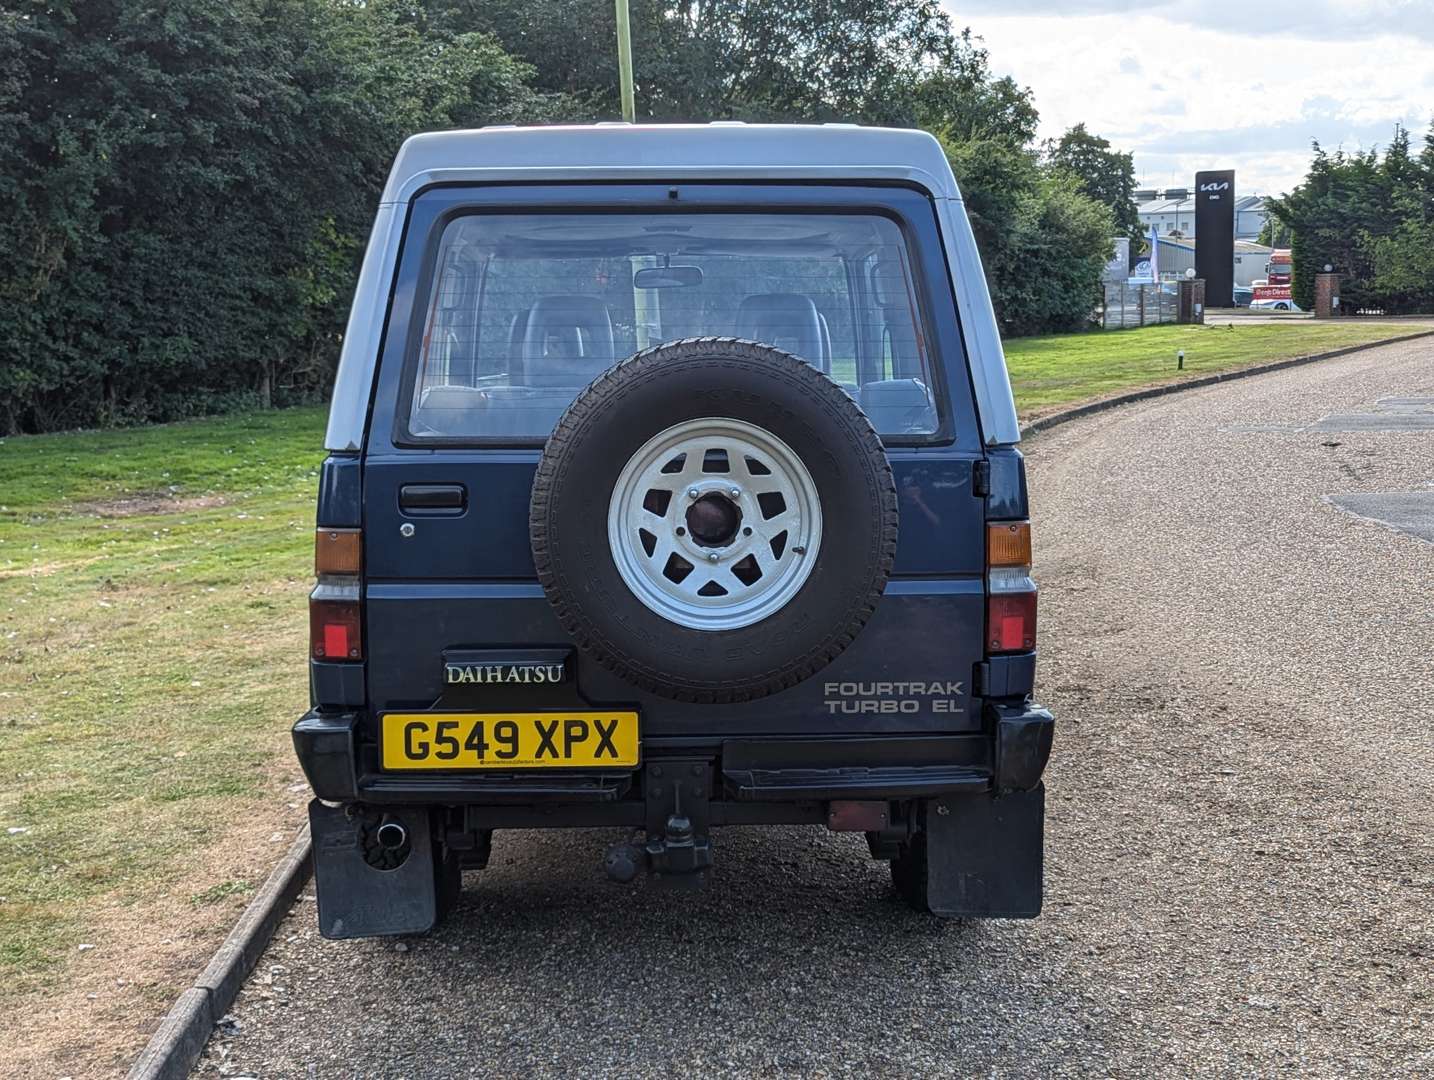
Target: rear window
{"points": [[526, 309]]}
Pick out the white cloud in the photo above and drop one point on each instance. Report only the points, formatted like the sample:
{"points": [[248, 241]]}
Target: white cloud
{"points": [[1312, 20], [1223, 85]]}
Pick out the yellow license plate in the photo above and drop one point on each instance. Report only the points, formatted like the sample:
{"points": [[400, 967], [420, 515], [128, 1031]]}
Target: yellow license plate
{"points": [[509, 740]]}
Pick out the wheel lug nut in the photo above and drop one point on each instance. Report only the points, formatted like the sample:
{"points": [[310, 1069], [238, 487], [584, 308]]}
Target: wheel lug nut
{"points": [[692, 493], [735, 493], [712, 556]]}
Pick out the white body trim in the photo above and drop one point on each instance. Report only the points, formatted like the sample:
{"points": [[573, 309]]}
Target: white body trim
{"points": [[678, 152], [363, 336]]}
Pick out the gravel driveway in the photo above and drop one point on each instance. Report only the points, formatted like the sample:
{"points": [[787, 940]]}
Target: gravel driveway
{"points": [[1240, 842]]}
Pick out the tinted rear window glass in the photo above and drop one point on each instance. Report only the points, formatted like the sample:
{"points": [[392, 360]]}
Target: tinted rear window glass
{"points": [[525, 310]]}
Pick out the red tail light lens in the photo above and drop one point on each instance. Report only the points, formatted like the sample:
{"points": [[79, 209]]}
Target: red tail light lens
{"points": [[1011, 622], [335, 624]]}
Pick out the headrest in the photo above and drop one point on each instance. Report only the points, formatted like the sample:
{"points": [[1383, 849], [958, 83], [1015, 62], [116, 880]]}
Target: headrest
{"points": [[898, 406], [787, 320], [567, 337]]}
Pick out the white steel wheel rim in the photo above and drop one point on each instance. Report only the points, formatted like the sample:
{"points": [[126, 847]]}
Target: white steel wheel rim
{"points": [[731, 582]]}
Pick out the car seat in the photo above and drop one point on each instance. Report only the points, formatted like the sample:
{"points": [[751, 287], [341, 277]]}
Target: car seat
{"points": [[787, 320]]}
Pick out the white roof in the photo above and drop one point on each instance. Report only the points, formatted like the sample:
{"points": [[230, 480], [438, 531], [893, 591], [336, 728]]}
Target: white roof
{"points": [[688, 152], [1161, 206], [1157, 206]]}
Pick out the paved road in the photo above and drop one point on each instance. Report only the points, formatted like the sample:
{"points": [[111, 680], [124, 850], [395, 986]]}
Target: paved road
{"points": [[1240, 838]]}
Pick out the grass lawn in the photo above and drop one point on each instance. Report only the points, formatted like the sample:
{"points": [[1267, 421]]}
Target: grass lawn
{"points": [[152, 647], [1047, 372]]}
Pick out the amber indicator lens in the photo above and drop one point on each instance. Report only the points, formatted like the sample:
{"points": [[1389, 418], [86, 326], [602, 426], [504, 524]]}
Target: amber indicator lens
{"points": [[337, 551], [1008, 543]]}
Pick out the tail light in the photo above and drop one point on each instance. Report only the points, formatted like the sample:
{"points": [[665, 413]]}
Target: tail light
{"points": [[335, 605], [1011, 592]]}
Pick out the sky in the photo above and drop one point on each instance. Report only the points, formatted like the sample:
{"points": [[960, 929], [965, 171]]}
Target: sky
{"points": [[1218, 84]]}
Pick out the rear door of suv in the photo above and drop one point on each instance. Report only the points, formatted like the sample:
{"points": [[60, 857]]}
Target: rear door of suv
{"points": [[447, 561]]}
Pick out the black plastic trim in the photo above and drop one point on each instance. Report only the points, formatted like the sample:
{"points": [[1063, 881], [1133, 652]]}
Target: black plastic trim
{"points": [[336, 685], [433, 498], [1007, 675], [1024, 735], [324, 743], [340, 492], [493, 790], [890, 782], [1007, 499]]}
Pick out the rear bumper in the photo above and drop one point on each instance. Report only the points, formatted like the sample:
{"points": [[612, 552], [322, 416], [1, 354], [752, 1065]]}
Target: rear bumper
{"points": [[797, 773]]}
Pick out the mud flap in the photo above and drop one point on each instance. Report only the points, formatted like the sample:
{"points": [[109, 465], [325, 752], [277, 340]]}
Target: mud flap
{"points": [[984, 855], [365, 891]]}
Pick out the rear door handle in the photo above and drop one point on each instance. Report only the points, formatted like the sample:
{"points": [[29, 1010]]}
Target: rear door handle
{"points": [[433, 498]]}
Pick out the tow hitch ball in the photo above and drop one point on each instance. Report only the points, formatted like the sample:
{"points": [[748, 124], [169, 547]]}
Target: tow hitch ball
{"points": [[678, 858], [678, 851]]}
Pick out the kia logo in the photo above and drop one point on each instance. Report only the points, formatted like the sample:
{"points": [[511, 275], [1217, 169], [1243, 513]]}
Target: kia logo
{"points": [[1223, 185]]}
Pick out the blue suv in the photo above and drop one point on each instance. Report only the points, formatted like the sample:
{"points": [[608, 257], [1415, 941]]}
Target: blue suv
{"points": [[672, 484]]}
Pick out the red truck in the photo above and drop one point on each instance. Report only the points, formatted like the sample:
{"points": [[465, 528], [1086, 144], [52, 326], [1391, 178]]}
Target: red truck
{"points": [[1280, 269]]}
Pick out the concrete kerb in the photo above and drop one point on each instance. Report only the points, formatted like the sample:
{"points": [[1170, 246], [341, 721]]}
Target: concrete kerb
{"points": [[176, 1045], [1075, 413]]}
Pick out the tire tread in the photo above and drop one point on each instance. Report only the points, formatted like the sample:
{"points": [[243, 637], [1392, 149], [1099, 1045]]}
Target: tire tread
{"points": [[548, 479]]}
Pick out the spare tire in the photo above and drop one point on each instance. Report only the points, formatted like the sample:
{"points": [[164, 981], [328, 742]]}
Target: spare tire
{"points": [[713, 519]]}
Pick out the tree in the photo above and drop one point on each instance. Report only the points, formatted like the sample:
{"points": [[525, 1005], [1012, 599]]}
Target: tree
{"points": [[1274, 233], [1403, 264], [1403, 258], [1105, 175], [189, 183], [1371, 218], [1043, 243], [898, 62]]}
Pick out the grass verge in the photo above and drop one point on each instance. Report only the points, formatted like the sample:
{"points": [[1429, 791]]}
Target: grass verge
{"points": [[1063, 369], [152, 589]]}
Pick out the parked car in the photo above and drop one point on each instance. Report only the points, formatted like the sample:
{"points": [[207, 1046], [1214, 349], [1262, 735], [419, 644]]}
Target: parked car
{"points": [[1243, 295], [1274, 305], [672, 484]]}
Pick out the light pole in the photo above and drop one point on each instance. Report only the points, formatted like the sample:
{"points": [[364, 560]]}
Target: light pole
{"points": [[624, 62]]}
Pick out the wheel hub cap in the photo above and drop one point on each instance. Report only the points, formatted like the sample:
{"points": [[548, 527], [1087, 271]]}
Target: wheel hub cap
{"points": [[713, 520], [714, 524]]}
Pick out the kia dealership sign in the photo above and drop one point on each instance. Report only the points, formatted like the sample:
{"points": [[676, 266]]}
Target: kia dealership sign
{"points": [[1215, 235]]}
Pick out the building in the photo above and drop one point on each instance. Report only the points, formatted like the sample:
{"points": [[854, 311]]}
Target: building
{"points": [[1251, 260], [1172, 212], [1251, 214], [1177, 256]]}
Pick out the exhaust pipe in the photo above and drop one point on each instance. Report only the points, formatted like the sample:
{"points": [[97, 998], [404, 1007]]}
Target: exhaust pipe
{"points": [[391, 835]]}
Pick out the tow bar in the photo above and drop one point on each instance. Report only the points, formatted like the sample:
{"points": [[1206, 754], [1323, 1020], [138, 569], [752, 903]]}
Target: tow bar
{"points": [[678, 848]]}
